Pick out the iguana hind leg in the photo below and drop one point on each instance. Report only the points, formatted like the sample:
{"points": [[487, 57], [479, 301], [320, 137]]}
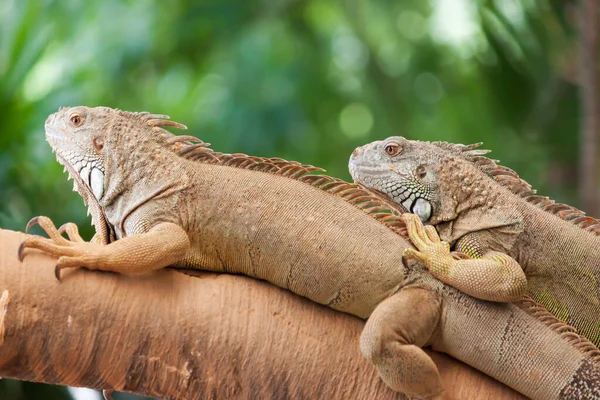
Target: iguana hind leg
{"points": [[161, 246], [393, 337], [494, 277]]}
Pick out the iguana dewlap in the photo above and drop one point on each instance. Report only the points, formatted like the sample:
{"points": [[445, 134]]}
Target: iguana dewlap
{"points": [[488, 213], [158, 199]]}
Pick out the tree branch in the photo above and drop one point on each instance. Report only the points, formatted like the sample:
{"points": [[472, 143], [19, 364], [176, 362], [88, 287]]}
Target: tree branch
{"points": [[171, 336]]}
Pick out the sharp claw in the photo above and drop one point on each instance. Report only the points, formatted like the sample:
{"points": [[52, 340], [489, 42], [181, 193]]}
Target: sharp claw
{"points": [[20, 251], [34, 221], [107, 394], [405, 261], [57, 272], [459, 255], [62, 228]]}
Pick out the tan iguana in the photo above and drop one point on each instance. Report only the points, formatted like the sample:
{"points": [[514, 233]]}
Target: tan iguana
{"points": [[487, 212], [158, 199]]}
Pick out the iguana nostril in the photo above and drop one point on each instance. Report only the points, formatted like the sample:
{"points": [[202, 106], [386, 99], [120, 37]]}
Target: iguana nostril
{"points": [[356, 152]]}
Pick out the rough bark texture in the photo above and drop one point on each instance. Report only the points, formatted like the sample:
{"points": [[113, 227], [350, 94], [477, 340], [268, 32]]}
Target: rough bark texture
{"points": [[174, 336]]}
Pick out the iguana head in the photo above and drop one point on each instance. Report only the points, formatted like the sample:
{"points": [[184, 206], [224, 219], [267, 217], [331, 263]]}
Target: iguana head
{"points": [[392, 167], [74, 136], [93, 142], [79, 145], [409, 172]]}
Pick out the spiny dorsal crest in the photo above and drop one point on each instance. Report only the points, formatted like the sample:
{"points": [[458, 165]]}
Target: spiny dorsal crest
{"points": [[159, 121], [192, 148], [567, 332], [510, 179]]}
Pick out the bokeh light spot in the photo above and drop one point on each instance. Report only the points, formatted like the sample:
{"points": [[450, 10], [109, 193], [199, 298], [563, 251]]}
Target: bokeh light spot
{"points": [[356, 120], [412, 25], [349, 53], [428, 88]]}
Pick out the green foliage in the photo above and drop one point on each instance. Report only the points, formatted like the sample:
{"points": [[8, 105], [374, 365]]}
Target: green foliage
{"points": [[305, 80], [15, 390]]}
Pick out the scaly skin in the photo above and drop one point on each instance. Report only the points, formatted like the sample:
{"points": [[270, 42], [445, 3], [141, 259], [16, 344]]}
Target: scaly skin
{"points": [[463, 273], [158, 200], [493, 217]]}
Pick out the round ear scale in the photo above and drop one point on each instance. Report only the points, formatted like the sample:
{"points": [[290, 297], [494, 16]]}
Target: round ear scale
{"points": [[98, 143], [421, 171]]}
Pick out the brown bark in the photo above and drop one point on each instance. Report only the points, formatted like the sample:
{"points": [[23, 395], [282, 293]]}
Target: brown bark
{"points": [[588, 89], [170, 335]]}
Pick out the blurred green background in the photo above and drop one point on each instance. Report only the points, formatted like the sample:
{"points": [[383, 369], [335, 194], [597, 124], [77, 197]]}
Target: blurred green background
{"points": [[303, 80]]}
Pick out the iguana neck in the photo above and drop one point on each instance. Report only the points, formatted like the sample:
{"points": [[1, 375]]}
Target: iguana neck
{"points": [[472, 202], [140, 172], [475, 191]]}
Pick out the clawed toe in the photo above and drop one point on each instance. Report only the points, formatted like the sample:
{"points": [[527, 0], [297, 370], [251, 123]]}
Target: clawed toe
{"points": [[420, 235], [48, 226], [57, 270], [67, 251], [431, 251], [410, 254], [32, 222], [432, 234], [72, 232], [20, 251]]}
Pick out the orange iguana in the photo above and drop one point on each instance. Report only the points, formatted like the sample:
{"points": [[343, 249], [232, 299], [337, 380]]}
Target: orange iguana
{"points": [[161, 200], [488, 213]]}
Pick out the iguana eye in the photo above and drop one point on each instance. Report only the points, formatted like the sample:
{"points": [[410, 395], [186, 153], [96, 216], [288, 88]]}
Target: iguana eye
{"points": [[421, 172], [76, 120], [391, 149]]}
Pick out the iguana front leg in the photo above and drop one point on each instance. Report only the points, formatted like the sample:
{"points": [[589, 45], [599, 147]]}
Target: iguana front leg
{"points": [[494, 277], [163, 245]]}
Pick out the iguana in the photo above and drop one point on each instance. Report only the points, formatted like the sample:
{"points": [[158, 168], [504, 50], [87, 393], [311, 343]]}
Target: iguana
{"points": [[494, 217], [161, 200]]}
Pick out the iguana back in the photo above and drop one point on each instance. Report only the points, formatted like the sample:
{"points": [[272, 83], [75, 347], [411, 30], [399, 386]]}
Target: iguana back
{"points": [[241, 206]]}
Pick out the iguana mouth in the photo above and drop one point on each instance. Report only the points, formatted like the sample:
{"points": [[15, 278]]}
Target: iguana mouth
{"points": [[408, 195], [88, 181], [383, 197]]}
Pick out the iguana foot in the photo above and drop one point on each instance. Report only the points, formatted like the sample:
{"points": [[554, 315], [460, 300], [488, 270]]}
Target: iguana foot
{"points": [[494, 277], [72, 253], [431, 250]]}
